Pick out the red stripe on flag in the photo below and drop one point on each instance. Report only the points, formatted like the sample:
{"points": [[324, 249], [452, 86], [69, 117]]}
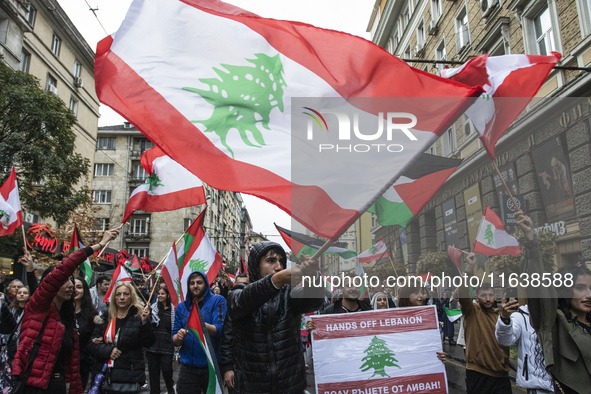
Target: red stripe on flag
{"points": [[161, 203], [492, 218], [428, 384], [366, 323], [488, 251], [418, 193]]}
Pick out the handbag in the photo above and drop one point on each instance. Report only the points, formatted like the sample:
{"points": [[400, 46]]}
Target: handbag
{"points": [[115, 387], [21, 382]]}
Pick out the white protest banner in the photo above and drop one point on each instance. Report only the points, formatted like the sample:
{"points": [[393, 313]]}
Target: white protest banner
{"points": [[379, 352]]}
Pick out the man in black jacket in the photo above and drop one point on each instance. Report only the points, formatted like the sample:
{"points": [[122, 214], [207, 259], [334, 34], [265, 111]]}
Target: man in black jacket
{"points": [[266, 318], [350, 301]]}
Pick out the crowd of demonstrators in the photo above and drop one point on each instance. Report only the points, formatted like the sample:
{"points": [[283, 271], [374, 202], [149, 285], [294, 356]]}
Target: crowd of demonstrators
{"points": [[98, 291], [487, 361], [161, 353], [349, 302], [561, 317], [48, 353], [266, 321], [194, 373], [85, 313], [119, 338]]}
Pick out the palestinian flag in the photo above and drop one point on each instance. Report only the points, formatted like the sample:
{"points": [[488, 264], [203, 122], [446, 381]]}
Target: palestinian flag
{"points": [[170, 186], [452, 314], [171, 274], [11, 215], [76, 243], [424, 278], [212, 85], [413, 190], [196, 253], [457, 257], [363, 291], [196, 326], [302, 244], [133, 264], [492, 239], [509, 81], [374, 253], [120, 274]]}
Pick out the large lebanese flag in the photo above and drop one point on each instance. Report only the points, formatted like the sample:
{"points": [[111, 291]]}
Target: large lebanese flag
{"points": [[11, 215], [212, 86], [509, 81], [120, 274], [169, 187], [385, 351], [492, 239]]}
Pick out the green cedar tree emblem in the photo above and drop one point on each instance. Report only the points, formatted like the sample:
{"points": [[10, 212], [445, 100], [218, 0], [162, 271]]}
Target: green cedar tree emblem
{"points": [[488, 235], [4, 217], [197, 265], [153, 181], [378, 357], [243, 96]]}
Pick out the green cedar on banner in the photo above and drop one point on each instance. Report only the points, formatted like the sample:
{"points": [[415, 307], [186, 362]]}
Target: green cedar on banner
{"points": [[385, 351]]}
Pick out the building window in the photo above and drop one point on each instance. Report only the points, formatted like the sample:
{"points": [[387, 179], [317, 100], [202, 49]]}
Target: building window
{"points": [[139, 226], [77, 69], [104, 169], [435, 10], [51, 84], [449, 142], [405, 18], [142, 144], [421, 35], [543, 32], [31, 15], [432, 150], [74, 106], [25, 61], [440, 54], [407, 54], [498, 49], [394, 41], [139, 251], [101, 196], [105, 143], [139, 172], [101, 224], [462, 30], [56, 44]]}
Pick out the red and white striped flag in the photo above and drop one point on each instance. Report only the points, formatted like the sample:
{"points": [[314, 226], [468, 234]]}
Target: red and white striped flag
{"points": [[170, 186], [11, 215], [509, 81], [492, 239], [373, 253], [212, 85], [120, 274]]}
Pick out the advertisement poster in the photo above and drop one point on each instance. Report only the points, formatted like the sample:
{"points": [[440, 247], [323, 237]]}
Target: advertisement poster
{"points": [[473, 211], [387, 351], [508, 209], [554, 179], [450, 223]]}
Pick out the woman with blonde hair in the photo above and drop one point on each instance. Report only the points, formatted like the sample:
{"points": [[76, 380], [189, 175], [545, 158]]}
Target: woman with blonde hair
{"points": [[121, 335]]}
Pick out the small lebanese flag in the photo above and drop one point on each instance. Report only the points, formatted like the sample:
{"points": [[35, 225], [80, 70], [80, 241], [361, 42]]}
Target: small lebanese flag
{"points": [[492, 239], [232, 278], [169, 187], [171, 274], [11, 215], [509, 82], [373, 253], [119, 275]]}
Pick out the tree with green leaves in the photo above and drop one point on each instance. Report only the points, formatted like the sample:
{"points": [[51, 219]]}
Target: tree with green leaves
{"points": [[243, 96], [36, 137], [488, 235], [378, 357]]}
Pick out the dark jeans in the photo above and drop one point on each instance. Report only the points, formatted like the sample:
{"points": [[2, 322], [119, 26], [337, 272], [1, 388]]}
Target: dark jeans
{"points": [[479, 383], [56, 386], [192, 380], [157, 363]]}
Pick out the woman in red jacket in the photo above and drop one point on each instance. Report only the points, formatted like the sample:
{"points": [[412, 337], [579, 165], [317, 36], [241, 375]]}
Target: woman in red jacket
{"points": [[57, 361]]}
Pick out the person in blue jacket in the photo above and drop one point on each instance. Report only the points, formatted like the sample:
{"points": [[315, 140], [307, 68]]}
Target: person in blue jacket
{"points": [[194, 373]]}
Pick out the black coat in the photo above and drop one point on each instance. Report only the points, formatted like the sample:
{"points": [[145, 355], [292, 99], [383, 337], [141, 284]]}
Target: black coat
{"points": [[337, 307], [228, 343], [133, 335], [266, 327]]}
